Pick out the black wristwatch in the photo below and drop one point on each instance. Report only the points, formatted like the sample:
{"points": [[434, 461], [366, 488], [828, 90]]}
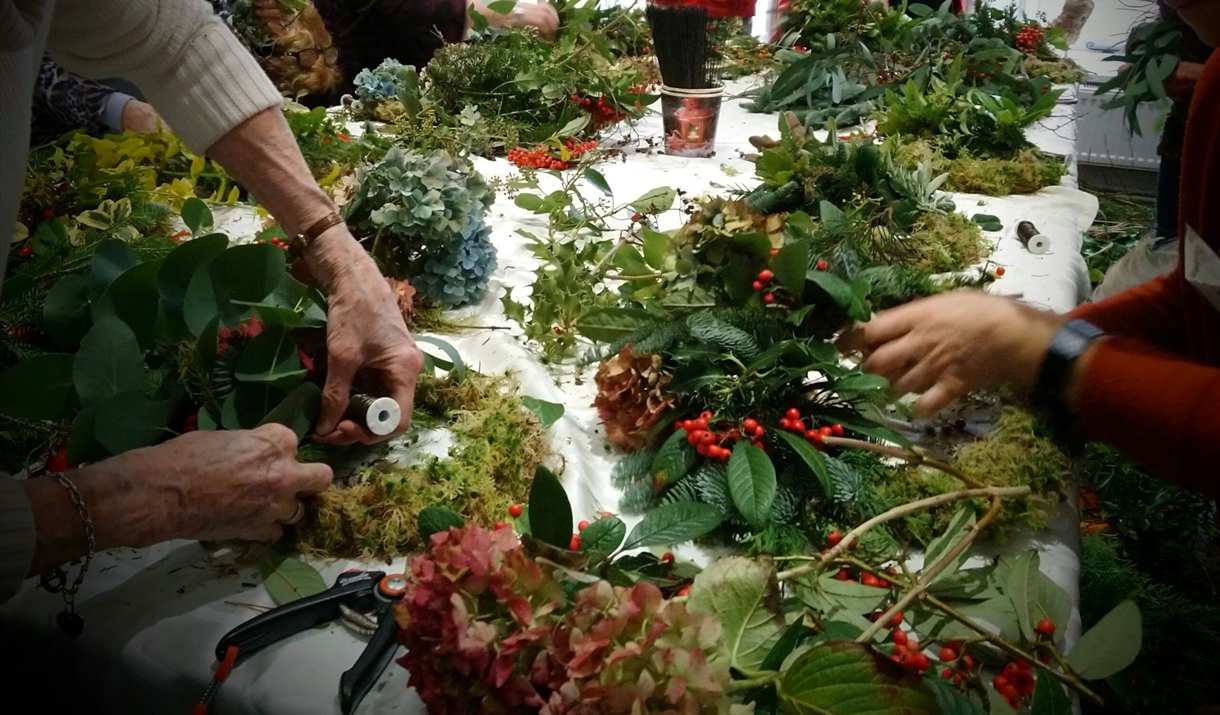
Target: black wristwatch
{"points": [[1066, 347]]}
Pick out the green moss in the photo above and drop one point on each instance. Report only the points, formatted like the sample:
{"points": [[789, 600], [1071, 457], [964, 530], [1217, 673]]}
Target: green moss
{"points": [[1060, 71], [497, 445], [943, 242], [1029, 170]]}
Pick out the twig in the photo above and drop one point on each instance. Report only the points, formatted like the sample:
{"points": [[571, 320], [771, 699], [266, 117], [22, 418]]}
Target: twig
{"points": [[897, 513], [914, 456], [749, 683], [930, 574]]}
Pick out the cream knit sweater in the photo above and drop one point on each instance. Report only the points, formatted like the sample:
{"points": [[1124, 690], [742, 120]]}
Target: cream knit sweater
{"points": [[190, 68]]}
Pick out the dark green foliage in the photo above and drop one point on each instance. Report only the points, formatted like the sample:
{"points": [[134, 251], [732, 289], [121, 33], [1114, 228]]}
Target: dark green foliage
{"points": [[708, 329], [767, 200]]}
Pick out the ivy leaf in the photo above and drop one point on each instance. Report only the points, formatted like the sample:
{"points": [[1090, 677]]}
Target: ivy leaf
{"points": [[39, 388], [594, 177], [129, 421], [842, 678], [752, 483], [744, 595], [550, 514], [66, 313], [815, 460], [606, 325], [655, 201], [1022, 589], [1109, 646], [196, 215], [1049, 697], [548, 412], [109, 362], [603, 536], [790, 266], [961, 524], [674, 523], [435, 519], [288, 579], [674, 459], [655, 245], [299, 410]]}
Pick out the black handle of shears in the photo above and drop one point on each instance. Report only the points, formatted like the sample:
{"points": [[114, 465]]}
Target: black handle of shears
{"points": [[290, 618], [355, 683]]}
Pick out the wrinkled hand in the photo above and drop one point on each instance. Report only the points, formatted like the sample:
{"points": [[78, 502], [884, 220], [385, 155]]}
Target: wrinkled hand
{"points": [[949, 345], [272, 16], [212, 485], [542, 16], [368, 345], [141, 117], [1181, 84]]}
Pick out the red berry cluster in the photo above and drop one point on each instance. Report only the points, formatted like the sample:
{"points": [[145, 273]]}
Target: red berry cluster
{"points": [[792, 422], [275, 241], [603, 113], [906, 649], [959, 664], [1030, 38], [764, 277], [23, 333], [1016, 683], [707, 441], [26, 251], [543, 157]]}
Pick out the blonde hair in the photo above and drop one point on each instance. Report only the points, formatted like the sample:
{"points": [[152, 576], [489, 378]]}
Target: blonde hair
{"points": [[306, 31]]}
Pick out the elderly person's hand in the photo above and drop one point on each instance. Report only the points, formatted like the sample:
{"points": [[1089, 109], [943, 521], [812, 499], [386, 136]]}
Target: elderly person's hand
{"points": [[272, 15], [367, 342], [948, 345], [540, 15], [141, 117]]}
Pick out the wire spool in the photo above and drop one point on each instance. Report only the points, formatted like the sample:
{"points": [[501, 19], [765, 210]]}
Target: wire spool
{"points": [[379, 415], [1034, 242]]}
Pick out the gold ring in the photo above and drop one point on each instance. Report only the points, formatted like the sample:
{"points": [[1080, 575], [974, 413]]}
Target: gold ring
{"points": [[296, 515]]}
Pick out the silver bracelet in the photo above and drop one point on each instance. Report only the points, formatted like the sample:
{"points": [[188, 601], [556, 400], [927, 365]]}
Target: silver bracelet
{"points": [[55, 581]]}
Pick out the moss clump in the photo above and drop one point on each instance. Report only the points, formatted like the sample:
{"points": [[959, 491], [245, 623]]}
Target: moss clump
{"points": [[1014, 453], [1029, 170], [1058, 71], [498, 443], [944, 242]]}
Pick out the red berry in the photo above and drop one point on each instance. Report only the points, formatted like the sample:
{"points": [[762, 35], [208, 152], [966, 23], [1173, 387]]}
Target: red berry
{"points": [[900, 638], [769, 298], [825, 431], [793, 413], [756, 443], [785, 423], [947, 674], [833, 538], [870, 580], [706, 415], [843, 575], [896, 620], [822, 265], [813, 435], [999, 271], [774, 251], [708, 438], [582, 526], [701, 449], [575, 543], [667, 558], [1046, 627], [684, 591], [48, 213], [749, 424], [26, 251], [798, 426], [701, 423], [757, 285], [1022, 664], [765, 275], [500, 525], [1000, 682], [948, 655], [758, 431], [58, 460], [836, 430], [920, 662], [515, 511]]}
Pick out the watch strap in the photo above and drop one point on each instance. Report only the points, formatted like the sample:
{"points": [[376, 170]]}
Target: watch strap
{"points": [[302, 240], [1068, 344]]}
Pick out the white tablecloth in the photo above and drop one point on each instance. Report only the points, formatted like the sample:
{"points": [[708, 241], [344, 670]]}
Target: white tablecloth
{"points": [[154, 616]]}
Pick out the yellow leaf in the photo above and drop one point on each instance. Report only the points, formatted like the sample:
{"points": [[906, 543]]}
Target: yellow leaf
{"points": [[197, 166]]}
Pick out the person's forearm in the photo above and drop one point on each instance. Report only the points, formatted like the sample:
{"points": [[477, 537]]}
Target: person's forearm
{"points": [[262, 154], [1151, 312], [1154, 407]]}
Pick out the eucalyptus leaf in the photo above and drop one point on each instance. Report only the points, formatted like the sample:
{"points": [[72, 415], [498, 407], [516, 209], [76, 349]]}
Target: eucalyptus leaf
{"points": [[744, 594], [271, 357], [130, 420], [133, 298], [1109, 646], [109, 362], [40, 388], [66, 312], [458, 368], [111, 258], [299, 410], [196, 215]]}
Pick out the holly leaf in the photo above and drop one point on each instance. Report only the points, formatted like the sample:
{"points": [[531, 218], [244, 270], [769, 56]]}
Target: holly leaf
{"points": [[39, 388], [435, 519], [1109, 646], [288, 579], [603, 536], [843, 678], [743, 593], [550, 514], [815, 460], [752, 483], [548, 412], [674, 523]]}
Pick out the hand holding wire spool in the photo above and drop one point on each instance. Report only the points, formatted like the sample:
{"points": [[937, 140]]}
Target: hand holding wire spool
{"points": [[379, 415]]}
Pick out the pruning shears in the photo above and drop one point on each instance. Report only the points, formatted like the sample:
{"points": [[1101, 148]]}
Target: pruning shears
{"points": [[372, 592]]}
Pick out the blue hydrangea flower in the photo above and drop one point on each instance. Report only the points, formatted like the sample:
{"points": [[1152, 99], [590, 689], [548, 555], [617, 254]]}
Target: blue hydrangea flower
{"points": [[459, 276]]}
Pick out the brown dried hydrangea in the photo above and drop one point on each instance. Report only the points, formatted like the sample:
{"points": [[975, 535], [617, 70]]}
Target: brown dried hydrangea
{"points": [[404, 293], [631, 397]]}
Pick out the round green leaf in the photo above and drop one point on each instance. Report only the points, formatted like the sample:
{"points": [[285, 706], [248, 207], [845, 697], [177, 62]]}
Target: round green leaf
{"points": [[288, 579], [529, 202], [109, 362], [435, 519], [66, 314], [299, 410], [82, 442], [842, 678], [180, 265], [133, 298], [674, 523], [111, 258], [249, 404], [39, 388], [550, 514], [242, 274], [196, 215], [603, 536], [1111, 645], [271, 357], [790, 266], [129, 421], [752, 483], [744, 594]]}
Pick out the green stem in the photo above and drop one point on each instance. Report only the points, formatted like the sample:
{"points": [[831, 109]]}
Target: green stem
{"points": [[761, 681]]}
